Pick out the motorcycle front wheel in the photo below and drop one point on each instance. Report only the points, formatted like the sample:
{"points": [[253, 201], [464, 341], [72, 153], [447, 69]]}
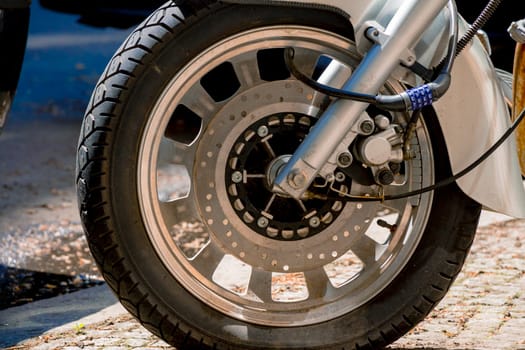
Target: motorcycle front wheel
{"points": [[189, 124]]}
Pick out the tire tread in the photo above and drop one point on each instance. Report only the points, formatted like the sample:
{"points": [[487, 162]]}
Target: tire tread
{"points": [[99, 127]]}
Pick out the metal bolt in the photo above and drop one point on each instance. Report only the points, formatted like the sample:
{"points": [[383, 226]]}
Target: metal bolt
{"points": [[297, 179], [340, 177], [385, 177], [237, 177], [395, 167], [262, 131], [366, 127], [344, 159], [262, 222], [314, 221]]}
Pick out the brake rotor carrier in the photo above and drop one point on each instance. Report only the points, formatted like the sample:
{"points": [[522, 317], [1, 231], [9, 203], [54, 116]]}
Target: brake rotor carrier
{"points": [[240, 153]]}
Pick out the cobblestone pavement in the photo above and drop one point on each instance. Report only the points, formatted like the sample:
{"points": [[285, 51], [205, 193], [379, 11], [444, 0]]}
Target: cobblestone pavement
{"points": [[485, 309]]}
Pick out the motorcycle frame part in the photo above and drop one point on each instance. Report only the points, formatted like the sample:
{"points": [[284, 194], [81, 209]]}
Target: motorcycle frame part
{"points": [[14, 26], [473, 79], [519, 100]]}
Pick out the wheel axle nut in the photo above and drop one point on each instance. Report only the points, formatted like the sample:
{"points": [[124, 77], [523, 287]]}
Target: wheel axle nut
{"points": [[297, 179]]}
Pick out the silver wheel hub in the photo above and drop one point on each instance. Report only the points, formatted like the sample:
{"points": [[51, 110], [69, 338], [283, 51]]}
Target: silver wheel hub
{"points": [[275, 168]]}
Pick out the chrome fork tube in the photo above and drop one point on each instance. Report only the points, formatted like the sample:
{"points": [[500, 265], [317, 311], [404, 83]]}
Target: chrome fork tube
{"points": [[338, 126]]}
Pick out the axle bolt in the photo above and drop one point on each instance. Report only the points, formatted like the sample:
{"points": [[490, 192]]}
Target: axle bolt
{"points": [[297, 179]]}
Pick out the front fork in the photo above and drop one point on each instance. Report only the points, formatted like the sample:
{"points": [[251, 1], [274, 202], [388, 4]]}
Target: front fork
{"points": [[345, 119]]}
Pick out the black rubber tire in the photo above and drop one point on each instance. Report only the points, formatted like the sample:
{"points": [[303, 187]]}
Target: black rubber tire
{"points": [[108, 202]]}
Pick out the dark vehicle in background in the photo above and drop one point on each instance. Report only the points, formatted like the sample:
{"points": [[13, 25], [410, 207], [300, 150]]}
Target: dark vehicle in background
{"points": [[106, 13], [14, 24], [128, 13], [502, 44]]}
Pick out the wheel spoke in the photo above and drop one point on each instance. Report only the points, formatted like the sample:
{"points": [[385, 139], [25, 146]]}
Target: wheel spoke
{"points": [[200, 102], [270, 202], [178, 211], [365, 250], [207, 260], [261, 285], [301, 204], [184, 154], [246, 70], [318, 284], [305, 61], [269, 148]]}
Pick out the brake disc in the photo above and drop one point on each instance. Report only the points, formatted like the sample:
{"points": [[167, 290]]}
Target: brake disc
{"points": [[244, 150]]}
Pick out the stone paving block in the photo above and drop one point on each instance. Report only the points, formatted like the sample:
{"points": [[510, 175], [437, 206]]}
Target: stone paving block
{"points": [[484, 309]]}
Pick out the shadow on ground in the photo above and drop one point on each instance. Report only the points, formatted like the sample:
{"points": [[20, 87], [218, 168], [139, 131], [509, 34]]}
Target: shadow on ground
{"points": [[34, 319], [20, 286]]}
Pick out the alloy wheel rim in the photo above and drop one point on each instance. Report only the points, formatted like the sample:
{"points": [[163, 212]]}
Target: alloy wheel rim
{"points": [[281, 277]]}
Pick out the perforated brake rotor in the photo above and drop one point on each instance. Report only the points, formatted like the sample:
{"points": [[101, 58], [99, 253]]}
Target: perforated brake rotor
{"points": [[245, 147]]}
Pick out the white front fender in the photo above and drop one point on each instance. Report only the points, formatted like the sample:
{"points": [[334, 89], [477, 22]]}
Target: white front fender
{"points": [[473, 116]]}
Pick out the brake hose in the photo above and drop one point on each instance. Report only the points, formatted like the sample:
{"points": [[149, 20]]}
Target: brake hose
{"points": [[418, 97], [412, 99]]}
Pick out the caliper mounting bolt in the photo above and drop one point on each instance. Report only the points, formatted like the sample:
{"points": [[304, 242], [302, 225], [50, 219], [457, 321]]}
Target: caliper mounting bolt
{"points": [[385, 177], [345, 159], [367, 127]]}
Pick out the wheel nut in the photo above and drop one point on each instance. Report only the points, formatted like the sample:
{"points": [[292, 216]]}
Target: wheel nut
{"points": [[297, 179]]}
